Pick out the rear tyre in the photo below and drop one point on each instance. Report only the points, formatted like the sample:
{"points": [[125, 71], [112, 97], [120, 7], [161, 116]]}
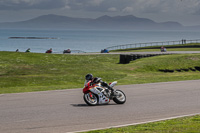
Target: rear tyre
{"points": [[90, 99], [120, 98]]}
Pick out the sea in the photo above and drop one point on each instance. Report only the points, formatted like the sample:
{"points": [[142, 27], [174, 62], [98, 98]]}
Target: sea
{"points": [[83, 40]]}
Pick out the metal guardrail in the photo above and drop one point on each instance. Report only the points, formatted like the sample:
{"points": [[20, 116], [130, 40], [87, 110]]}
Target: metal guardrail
{"points": [[139, 45], [126, 58]]}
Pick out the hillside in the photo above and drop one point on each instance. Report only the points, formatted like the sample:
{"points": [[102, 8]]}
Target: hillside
{"points": [[128, 22]]}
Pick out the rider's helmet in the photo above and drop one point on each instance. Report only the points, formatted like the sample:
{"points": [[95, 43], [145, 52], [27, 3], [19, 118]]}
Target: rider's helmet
{"points": [[89, 76], [96, 80]]}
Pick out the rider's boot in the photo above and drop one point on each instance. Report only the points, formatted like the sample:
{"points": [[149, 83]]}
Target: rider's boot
{"points": [[113, 93]]}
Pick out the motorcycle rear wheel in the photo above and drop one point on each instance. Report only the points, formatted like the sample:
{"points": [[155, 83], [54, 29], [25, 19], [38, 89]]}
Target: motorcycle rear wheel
{"points": [[121, 98], [92, 101]]}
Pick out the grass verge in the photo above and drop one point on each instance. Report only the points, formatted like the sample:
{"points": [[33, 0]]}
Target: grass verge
{"points": [[179, 125], [26, 72]]}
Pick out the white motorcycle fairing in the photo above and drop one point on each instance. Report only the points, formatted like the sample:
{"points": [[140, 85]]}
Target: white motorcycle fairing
{"points": [[102, 98], [113, 84]]}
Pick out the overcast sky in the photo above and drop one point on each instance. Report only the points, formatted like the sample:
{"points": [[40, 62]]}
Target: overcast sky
{"points": [[186, 12]]}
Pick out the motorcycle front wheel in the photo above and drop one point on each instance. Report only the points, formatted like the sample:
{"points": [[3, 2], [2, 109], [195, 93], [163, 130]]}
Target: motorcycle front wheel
{"points": [[91, 99], [120, 98]]}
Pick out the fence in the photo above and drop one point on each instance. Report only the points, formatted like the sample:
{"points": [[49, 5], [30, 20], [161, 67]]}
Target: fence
{"points": [[139, 45]]}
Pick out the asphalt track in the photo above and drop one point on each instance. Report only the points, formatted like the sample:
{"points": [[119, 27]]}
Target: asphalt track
{"points": [[64, 111]]}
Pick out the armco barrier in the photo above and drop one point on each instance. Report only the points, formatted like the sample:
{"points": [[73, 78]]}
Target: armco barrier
{"points": [[126, 58]]}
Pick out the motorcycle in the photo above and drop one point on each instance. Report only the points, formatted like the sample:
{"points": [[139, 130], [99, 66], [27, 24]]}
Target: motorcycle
{"points": [[102, 95]]}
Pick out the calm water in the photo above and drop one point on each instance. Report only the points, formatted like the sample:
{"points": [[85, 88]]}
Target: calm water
{"points": [[84, 40]]}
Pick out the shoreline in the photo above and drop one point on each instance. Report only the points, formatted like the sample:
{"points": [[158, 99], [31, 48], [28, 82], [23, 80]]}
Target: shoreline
{"points": [[32, 38]]}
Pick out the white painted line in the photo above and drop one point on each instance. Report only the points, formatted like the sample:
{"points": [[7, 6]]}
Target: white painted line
{"points": [[16, 121], [132, 124], [22, 121]]}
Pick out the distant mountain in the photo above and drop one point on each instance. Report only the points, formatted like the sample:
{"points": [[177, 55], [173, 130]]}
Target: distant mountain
{"points": [[128, 22], [48, 22]]}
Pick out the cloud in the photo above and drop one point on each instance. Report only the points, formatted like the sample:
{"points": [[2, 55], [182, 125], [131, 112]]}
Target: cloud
{"points": [[112, 9], [31, 4], [128, 9], [94, 2], [167, 6], [123, 6]]}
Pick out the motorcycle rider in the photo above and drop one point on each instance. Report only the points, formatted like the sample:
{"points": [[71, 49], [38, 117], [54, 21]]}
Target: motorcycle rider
{"points": [[88, 78], [90, 81]]}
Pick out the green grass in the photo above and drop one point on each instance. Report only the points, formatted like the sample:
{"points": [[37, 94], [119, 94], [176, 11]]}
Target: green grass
{"points": [[180, 125], [146, 70], [26, 72]]}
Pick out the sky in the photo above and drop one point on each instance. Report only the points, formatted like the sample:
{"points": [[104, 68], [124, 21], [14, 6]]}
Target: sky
{"points": [[186, 12]]}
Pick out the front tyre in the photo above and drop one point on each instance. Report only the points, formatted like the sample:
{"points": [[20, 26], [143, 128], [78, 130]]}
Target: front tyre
{"points": [[120, 98], [91, 99]]}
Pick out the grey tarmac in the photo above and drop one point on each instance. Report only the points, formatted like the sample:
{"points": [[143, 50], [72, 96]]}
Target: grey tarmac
{"points": [[63, 111]]}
